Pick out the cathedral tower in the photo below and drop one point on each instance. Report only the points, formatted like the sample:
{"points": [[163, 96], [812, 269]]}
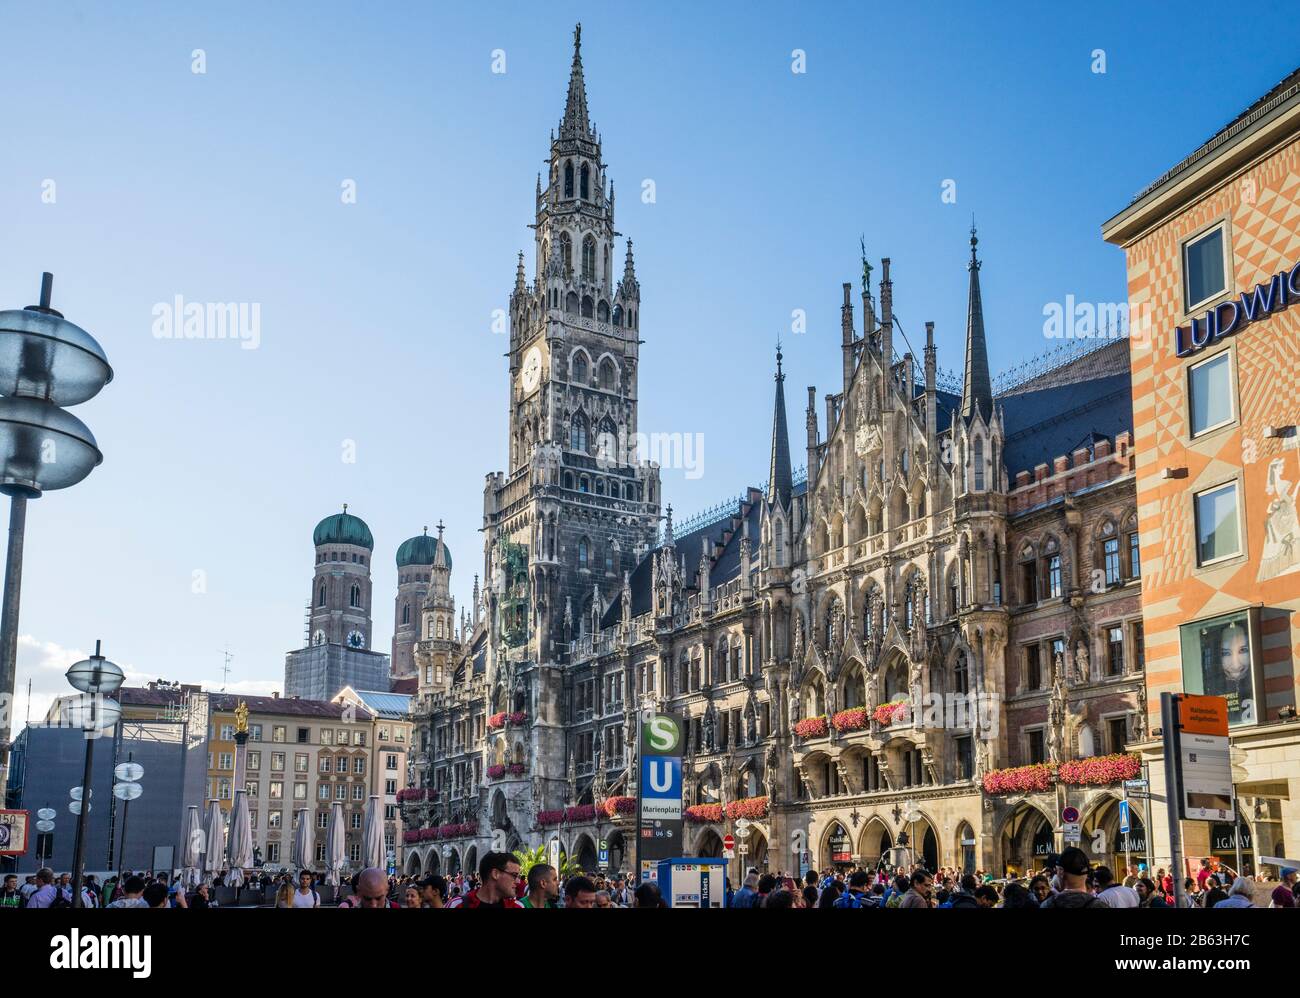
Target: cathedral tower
{"points": [[578, 507]]}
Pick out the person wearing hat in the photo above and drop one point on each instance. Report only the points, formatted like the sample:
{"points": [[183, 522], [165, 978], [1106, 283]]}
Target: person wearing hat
{"points": [[1074, 893], [1284, 893]]}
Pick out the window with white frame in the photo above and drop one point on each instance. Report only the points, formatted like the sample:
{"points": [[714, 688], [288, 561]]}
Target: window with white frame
{"points": [[1205, 274], [1210, 402], [358, 791], [1218, 524]]}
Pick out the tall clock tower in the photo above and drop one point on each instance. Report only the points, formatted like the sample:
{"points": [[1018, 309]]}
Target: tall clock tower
{"points": [[577, 506]]}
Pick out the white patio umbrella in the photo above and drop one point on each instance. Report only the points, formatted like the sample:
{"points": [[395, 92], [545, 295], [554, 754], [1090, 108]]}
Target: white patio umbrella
{"points": [[192, 857], [336, 846], [304, 844], [214, 842], [239, 851], [372, 842]]}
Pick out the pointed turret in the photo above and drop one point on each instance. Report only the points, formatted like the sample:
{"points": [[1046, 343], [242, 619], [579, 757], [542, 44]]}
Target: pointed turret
{"points": [[977, 387], [575, 123], [780, 484]]}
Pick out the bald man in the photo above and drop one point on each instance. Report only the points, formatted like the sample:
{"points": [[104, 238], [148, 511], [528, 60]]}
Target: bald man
{"points": [[371, 890]]}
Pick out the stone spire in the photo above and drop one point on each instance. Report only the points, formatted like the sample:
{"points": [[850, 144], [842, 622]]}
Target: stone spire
{"points": [[575, 123], [977, 387], [520, 286], [780, 484], [629, 270]]}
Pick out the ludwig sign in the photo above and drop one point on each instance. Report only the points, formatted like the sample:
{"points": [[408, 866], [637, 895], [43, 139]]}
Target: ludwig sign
{"points": [[1235, 314]]}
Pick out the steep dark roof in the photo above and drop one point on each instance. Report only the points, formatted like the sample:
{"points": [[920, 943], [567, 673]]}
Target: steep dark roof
{"points": [[780, 482], [1051, 422], [977, 386]]}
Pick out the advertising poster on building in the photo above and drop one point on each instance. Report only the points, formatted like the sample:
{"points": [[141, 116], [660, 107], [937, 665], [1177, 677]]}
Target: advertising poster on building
{"points": [[659, 793], [1219, 660]]}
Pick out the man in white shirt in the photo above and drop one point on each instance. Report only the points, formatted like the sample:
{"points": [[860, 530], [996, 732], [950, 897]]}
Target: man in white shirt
{"points": [[1115, 894], [305, 896]]}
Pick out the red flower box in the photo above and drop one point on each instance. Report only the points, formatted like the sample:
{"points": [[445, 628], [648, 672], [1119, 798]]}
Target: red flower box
{"points": [[888, 713], [811, 727], [753, 808], [496, 772], [545, 818], [1019, 779], [704, 814], [515, 769], [497, 721], [853, 719], [518, 719], [1099, 770], [620, 805]]}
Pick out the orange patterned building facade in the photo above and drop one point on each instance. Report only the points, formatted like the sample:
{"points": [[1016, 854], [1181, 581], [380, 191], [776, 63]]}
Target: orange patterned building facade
{"points": [[1213, 258]]}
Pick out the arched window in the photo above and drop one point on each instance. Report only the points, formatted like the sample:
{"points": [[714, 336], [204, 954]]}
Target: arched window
{"points": [[579, 375], [961, 675], [406, 613], [609, 559], [979, 464], [568, 179], [778, 542], [588, 258], [578, 433], [566, 252], [618, 315], [585, 189], [584, 551], [354, 596], [320, 596], [608, 378]]}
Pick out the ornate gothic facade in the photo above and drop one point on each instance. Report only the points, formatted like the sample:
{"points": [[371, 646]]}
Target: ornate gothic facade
{"points": [[968, 553]]}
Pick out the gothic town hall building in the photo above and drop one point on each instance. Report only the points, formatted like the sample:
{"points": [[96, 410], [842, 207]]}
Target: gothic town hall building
{"points": [[931, 640]]}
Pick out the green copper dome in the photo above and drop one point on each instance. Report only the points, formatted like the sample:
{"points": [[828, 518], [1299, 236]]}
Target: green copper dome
{"points": [[417, 550], [424, 550], [343, 528]]}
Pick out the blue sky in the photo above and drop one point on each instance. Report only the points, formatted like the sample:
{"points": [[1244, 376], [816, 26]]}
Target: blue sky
{"points": [[376, 316]]}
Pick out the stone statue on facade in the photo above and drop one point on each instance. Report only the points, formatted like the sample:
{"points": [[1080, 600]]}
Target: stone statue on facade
{"points": [[1081, 663], [1056, 721], [771, 766], [710, 721]]}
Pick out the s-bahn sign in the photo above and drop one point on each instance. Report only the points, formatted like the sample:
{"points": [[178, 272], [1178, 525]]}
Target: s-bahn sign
{"points": [[1232, 316]]}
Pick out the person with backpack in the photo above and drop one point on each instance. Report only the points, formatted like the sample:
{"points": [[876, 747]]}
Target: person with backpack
{"points": [[305, 896], [858, 894], [132, 889], [1073, 870]]}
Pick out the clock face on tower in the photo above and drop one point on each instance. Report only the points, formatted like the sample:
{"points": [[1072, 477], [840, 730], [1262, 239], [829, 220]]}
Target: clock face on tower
{"points": [[356, 639], [531, 371]]}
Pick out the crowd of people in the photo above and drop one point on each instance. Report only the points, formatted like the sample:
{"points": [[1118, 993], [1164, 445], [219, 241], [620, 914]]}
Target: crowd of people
{"points": [[1067, 880]]}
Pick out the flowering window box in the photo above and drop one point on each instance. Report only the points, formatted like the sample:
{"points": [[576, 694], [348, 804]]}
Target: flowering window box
{"points": [[517, 719], [753, 808], [812, 727], [496, 772], [1099, 770], [619, 805], [853, 719], [1019, 779], [887, 713], [704, 814], [497, 721]]}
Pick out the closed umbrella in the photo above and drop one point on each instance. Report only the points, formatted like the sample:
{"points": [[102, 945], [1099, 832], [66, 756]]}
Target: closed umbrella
{"points": [[239, 851], [303, 843], [336, 846], [372, 842], [192, 859], [214, 842]]}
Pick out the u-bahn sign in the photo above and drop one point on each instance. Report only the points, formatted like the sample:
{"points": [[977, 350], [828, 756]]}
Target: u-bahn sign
{"points": [[659, 792]]}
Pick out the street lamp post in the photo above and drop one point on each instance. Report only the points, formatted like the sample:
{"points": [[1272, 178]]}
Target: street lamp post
{"points": [[46, 363], [97, 679], [126, 789]]}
